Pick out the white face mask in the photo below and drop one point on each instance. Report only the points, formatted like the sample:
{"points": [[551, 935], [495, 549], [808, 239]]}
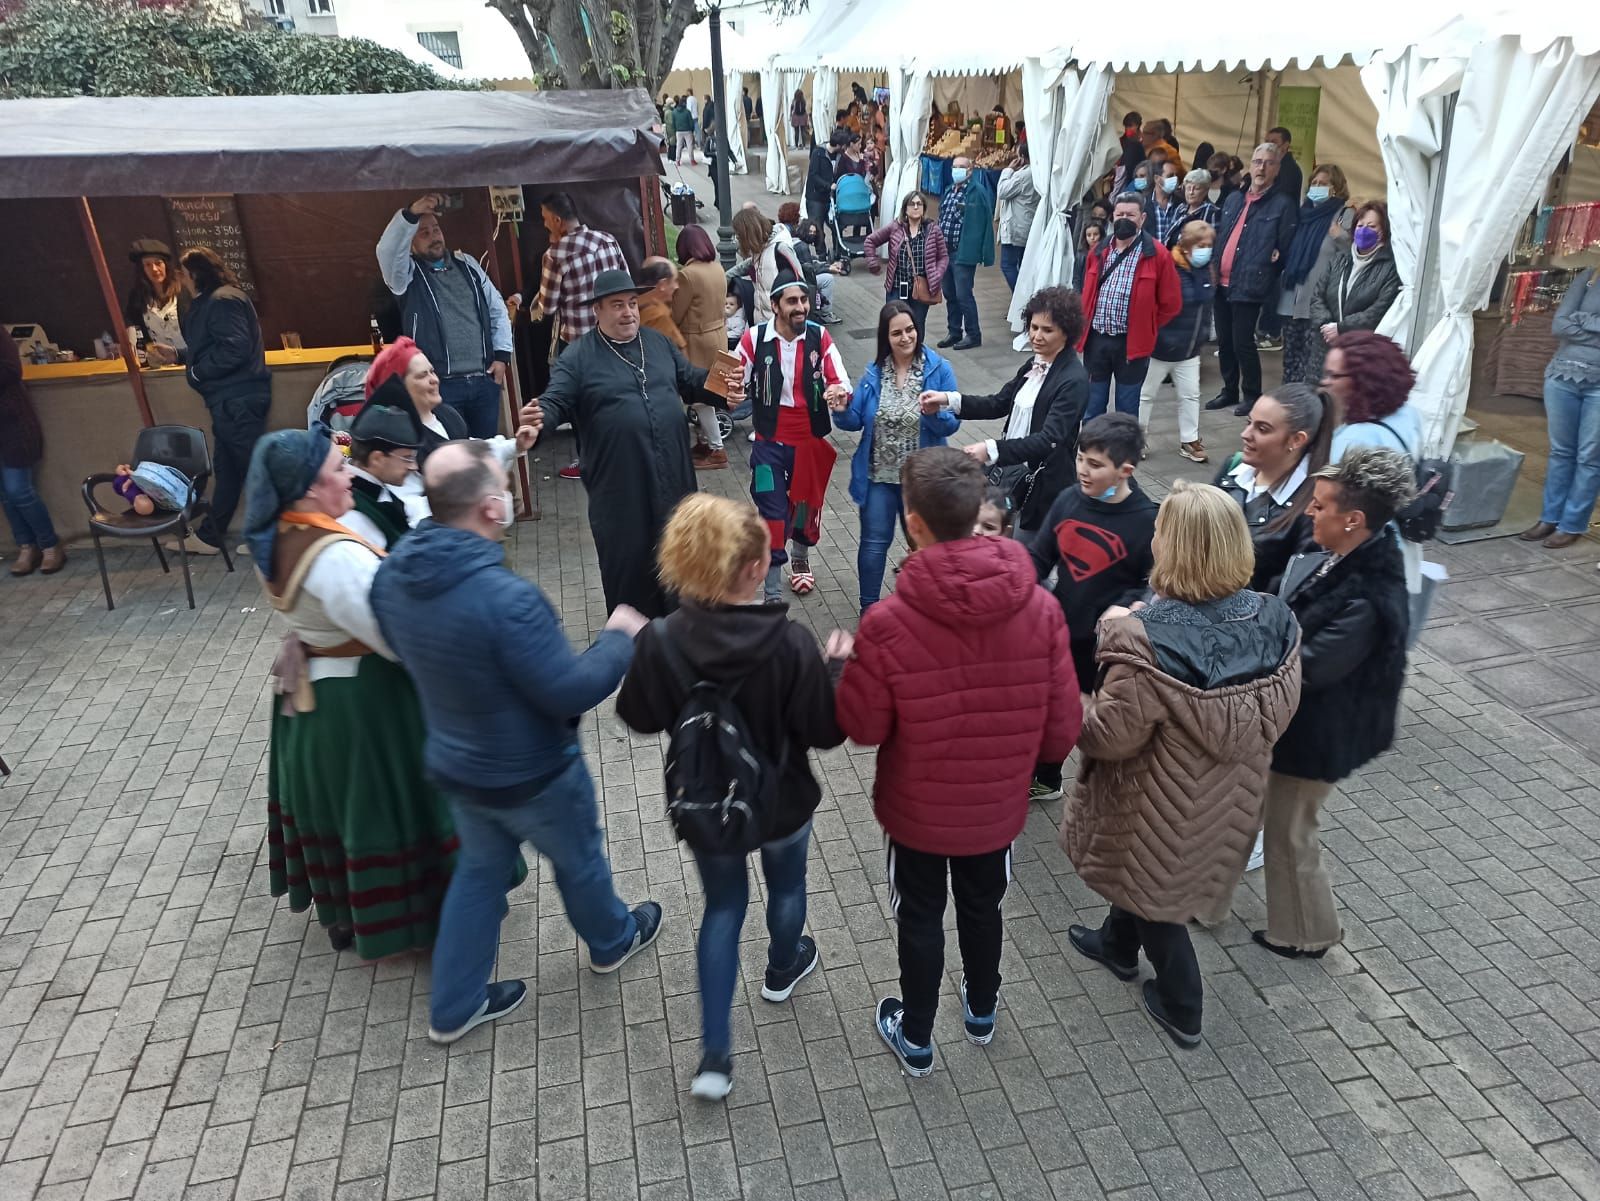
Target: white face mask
{"points": [[508, 511]]}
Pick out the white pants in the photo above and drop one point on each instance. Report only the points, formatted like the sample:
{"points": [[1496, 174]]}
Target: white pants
{"points": [[825, 288], [708, 426], [685, 147], [1186, 379]]}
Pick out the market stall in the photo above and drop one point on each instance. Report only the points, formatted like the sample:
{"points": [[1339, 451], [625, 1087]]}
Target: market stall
{"points": [[295, 188]]}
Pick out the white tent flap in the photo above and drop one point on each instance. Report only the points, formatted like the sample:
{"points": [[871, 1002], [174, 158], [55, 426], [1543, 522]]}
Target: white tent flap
{"points": [[776, 113], [1517, 114], [733, 123], [1074, 107], [909, 95]]}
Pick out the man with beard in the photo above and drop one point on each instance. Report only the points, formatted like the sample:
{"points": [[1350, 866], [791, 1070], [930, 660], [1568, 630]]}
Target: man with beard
{"points": [[449, 307], [793, 377], [623, 388]]}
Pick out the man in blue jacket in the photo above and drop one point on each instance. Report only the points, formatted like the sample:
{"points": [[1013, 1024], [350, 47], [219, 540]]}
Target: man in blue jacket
{"points": [[1257, 230], [502, 693]]}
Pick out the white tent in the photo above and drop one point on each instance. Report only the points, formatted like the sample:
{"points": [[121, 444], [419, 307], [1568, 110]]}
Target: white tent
{"points": [[1483, 108]]}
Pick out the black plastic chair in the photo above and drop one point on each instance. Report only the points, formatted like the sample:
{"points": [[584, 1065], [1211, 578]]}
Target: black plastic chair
{"points": [[183, 448]]}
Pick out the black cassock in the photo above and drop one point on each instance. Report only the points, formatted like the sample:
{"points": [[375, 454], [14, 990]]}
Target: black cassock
{"points": [[636, 461]]}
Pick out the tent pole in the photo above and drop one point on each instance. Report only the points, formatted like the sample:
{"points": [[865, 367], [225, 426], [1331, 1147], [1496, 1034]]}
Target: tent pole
{"points": [[1427, 253], [108, 292], [1261, 107], [726, 250], [513, 385]]}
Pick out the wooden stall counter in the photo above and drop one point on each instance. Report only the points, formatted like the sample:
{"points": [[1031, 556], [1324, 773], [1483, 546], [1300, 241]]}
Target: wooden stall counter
{"points": [[90, 419]]}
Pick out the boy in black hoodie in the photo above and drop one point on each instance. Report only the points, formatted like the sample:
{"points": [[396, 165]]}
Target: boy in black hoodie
{"points": [[1096, 538]]}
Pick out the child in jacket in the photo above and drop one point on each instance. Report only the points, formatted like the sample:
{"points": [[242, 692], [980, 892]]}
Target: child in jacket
{"points": [[1096, 539], [963, 678]]}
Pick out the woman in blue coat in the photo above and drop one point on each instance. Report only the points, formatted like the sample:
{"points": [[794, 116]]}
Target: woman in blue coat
{"points": [[886, 408]]}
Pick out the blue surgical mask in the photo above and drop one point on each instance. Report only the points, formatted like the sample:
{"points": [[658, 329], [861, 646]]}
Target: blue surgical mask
{"points": [[1200, 256], [958, 174], [1169, 185], [1317, 193], [1140, 184], [1109, 494]]}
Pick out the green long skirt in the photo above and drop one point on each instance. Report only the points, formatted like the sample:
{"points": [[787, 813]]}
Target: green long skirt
{"points": [[353, 825]]}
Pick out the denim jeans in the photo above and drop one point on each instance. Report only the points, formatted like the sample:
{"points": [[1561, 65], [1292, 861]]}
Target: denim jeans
{"points": [[1011, 263], [726, 881], [562, 822], [879, 513], [477, 399], [1105, 357], [30, 520], [1572, 478], [963, 316]]}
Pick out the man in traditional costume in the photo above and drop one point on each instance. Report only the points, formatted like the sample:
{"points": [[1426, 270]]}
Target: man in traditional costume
{"points": [[792, 370], [624, 388], [353, 825], [384, 438]]}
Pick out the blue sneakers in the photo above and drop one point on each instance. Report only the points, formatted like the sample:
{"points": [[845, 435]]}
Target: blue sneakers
{"points": [[917, 1061], [504, 996], [647, 921], [980, 1030]]}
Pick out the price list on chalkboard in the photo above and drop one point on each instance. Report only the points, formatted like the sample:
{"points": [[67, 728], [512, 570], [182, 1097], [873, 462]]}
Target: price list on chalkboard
{"points": [[212, 221]]}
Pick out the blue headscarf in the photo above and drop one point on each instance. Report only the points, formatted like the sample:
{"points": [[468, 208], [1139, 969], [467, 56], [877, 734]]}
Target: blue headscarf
{"points": [[283, 467]]}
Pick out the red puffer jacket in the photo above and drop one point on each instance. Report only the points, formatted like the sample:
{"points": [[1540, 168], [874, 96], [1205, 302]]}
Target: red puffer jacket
{"points": [[964, 678]]}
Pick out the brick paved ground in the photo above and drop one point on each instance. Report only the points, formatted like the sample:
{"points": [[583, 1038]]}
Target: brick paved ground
{"points": [[167, 1029]]}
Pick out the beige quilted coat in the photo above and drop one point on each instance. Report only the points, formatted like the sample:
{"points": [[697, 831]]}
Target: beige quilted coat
{"points": [[1168, 800]]}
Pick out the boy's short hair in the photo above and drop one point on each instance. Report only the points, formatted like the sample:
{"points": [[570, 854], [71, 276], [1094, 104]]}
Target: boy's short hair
{"points": [[1117, 435], [944, 487]]}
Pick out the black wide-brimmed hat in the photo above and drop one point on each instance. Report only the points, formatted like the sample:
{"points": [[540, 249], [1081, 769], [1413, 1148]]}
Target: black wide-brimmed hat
{"points": [[389, 418], [149, 248], [614, 283]]}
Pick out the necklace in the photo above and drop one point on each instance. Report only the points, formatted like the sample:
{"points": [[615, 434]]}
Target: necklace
{"points": [[636, 368]]}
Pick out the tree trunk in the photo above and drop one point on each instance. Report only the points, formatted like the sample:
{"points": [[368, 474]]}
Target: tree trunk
{"points": [[563, 53]]}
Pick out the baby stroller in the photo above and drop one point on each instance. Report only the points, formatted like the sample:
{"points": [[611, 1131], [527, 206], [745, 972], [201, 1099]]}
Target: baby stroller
{"points": [[852, 210], [341, 393]]}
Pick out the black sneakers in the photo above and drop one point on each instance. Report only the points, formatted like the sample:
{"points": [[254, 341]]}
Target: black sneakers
{"points": [[1090, 945], [647, 919], [504, 996], [780, 985], [1157, 1008]]}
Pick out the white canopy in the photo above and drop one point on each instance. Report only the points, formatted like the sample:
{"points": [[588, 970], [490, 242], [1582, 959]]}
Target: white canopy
{"points": [[937, 37], [738, 52]]}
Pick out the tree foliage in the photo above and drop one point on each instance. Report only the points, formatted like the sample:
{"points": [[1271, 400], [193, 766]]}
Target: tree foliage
{"points": [[182, 48]]}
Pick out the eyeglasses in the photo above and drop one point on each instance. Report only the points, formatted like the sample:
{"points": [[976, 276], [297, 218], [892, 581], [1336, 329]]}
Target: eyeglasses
{"points": [[409, 460], [1337, 375]]}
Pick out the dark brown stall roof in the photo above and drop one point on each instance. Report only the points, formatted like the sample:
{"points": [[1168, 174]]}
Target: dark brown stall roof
{"points": [[158, 146]]}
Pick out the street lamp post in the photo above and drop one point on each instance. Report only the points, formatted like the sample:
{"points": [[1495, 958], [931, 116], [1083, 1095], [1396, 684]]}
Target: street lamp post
{"points": [[719, 97]]}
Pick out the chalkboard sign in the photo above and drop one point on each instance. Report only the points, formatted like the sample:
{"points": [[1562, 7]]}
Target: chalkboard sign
{"points": [[212, 221]]}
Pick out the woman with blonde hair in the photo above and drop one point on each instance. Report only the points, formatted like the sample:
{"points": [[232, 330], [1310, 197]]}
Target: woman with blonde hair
{"points": [[714, 554], [1196, 686], [1178, 342]]}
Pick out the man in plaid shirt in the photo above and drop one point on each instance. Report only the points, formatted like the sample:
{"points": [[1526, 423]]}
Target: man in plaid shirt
{"points": [[576, 257], [1130, 290]]}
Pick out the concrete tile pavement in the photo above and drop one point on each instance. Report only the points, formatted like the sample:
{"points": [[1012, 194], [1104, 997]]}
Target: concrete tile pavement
{"points": [[167, 1029]]}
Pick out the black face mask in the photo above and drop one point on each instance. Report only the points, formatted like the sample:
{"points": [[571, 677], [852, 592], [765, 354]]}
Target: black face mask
{"points": [[1124, 228]]}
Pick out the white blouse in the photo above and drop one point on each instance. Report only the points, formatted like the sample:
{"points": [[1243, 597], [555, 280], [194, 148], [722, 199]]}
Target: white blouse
{"points": [[335, 605]]}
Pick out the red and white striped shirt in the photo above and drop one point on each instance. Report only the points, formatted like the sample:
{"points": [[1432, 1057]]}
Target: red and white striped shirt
{"points": [[832, 365]]}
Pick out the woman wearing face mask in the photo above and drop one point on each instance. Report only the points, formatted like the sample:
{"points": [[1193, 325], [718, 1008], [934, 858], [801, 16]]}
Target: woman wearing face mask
{"points": [[1220, 168], [1042, 406], [1321, 242], [1356, 293], [1197, 205], [1140, 180], [1286, 440], [886, 407], [1178, 342]]}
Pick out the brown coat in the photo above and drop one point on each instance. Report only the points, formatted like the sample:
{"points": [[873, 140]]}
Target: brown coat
{"points": [[697, 308], [655, 314], [1168, 801]]}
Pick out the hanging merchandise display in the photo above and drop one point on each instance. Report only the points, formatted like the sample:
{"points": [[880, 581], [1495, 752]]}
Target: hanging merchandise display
{"points": [[1533, 292]]}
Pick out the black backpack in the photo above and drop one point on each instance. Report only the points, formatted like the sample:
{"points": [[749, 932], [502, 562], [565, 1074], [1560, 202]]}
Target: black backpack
{"points": [[722, 791], [1420, 520]]}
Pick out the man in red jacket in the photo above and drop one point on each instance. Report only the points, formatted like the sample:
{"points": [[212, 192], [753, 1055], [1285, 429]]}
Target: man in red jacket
{"points": [[1130, 290], [964, 678]]}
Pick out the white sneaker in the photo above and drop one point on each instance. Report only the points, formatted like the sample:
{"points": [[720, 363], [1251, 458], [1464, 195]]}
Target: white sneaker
{"points": [[193, 545], [1258, 855]]}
